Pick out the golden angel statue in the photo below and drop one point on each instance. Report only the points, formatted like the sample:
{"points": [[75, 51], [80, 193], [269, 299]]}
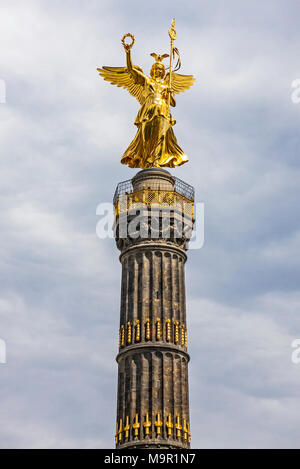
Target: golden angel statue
{"points": [[155, 144]]}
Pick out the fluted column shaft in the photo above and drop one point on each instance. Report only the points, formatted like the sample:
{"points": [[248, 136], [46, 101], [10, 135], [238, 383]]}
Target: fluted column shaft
{"points": [[153, 403]]}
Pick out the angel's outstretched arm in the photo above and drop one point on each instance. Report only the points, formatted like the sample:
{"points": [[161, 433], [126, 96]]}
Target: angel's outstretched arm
{"points": [[134, 71], [128, 60], [131, 77]]}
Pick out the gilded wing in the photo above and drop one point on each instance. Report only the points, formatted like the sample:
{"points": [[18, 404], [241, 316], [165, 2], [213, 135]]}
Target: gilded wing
{"points": [[179, 82], [120, 76]]}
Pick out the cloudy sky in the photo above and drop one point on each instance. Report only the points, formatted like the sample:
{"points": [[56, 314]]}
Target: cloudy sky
{"points": [[62, 133]]}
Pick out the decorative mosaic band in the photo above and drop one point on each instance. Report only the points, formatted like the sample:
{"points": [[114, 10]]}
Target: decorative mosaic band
{"points": [[178, 429], [174, 332]]}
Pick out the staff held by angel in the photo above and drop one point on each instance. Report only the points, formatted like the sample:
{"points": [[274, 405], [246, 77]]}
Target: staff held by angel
{"points": [[154, 144]]}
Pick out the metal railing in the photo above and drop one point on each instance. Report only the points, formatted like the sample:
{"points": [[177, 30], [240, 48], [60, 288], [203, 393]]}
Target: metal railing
{"points": [[154, 199], [180, 187]]}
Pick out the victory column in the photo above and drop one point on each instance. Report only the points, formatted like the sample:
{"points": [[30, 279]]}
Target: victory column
{"points": [[153, 224]]}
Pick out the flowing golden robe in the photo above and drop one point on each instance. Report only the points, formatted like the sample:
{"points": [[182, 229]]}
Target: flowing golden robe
{"points": [[154, 144]]}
